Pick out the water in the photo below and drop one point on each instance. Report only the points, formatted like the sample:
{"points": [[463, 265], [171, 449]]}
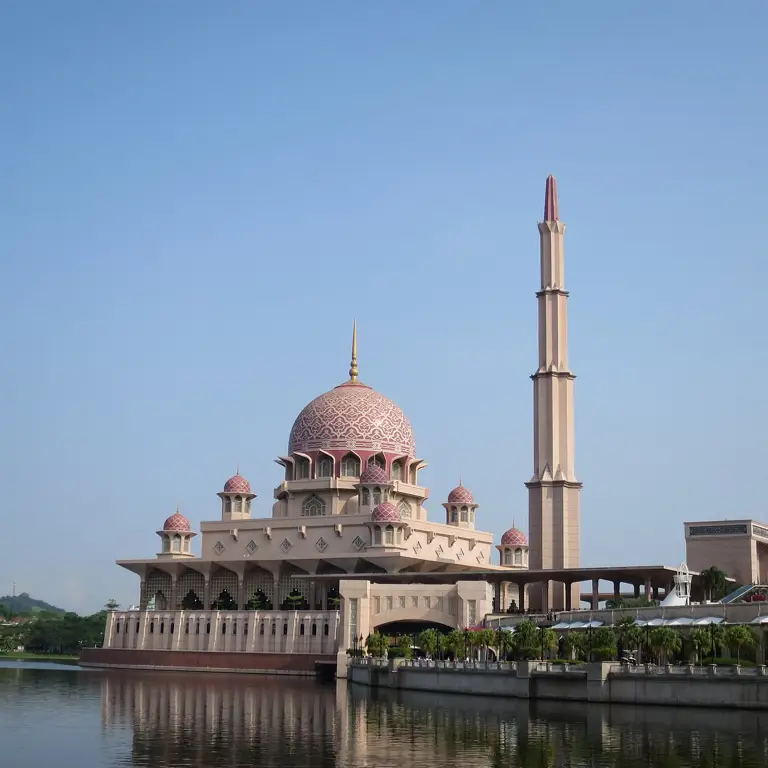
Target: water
{"points": [[67, 716]]}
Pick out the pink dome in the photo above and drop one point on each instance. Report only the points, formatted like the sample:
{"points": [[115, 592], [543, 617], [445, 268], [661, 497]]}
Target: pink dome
{"points": [[374, 474], [514, 537], [237, 484], [352, 417], [386, 512], [176, 522], [460, 495]]}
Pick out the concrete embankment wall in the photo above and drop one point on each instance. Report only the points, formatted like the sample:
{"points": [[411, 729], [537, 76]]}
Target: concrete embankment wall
{"points": [[206, 661], [604, 683]]}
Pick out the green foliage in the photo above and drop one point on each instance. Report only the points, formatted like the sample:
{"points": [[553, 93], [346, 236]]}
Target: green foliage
{"points": [[503, 641], [701, 640], [628, 634], [111, 604], [376, 644], [722, 662], [714, 583], [63, 634], [631, 602], [600, 644], [738, 637], [23, 604], [454, 642], [665, 641], [404, 647], [575, 645], [526, 640], [427, 641]]}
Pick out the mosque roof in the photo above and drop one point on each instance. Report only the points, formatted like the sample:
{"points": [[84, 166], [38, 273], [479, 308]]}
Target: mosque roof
{"points": [[177, 522], [386, 512], [237, 484], [374, 474], [461, 495], [514, 537]]}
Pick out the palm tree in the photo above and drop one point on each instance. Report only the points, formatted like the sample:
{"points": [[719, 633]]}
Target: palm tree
{"points": [[713, 581], [738, 637], [665, 641], [526, 639], [504, 642], [701, 640], [628, 634], [574, 645], [454, 642]]}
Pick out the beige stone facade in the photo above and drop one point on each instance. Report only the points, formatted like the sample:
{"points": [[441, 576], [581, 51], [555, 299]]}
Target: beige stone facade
{"points": [[737, 547]]}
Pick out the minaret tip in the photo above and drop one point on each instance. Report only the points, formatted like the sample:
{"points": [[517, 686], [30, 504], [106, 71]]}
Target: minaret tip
{"points": [[353, 364], [551, 212]]}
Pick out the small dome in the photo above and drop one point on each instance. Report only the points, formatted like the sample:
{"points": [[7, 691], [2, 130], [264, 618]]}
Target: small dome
{"points": [[386, 512], [514, 537], [237, 484], [176, 522], [374, 474], [460, 495]]}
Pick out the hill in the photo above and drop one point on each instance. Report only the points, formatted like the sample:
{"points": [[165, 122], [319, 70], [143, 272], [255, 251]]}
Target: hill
{"points": [[23, 603]]}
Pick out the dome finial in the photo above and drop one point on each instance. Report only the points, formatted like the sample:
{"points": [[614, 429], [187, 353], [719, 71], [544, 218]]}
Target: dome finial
{"points": [[238, 468], [460, 483], [353, 365]]}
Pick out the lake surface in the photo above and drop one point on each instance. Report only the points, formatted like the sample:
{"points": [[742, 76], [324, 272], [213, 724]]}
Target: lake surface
{"points": [[59, 715]]}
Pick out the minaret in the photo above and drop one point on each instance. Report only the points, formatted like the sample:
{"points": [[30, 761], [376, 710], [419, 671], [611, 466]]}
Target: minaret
{"points": [[553, 491]]}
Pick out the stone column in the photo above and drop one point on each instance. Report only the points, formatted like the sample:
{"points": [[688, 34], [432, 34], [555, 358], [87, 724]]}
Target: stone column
{"points": [[595, 594], [521, 597], [207, 594], [637, 590], [568, 595], [174, 592], [647, 588], [240, 594], [497, 597], [617, 590], [312, 594]]}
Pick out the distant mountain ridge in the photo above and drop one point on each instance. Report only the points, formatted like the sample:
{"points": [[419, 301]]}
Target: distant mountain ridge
{"points": [[23, 603]]}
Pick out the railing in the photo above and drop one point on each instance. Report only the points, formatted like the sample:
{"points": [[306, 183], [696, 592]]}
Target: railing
{"points": [[688, 670]]}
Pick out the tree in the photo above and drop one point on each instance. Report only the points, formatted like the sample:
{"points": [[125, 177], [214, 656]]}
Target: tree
{"points": [[427, 641], [574, 645], [601, 644], [526, 639], [628, 634], [111, 604], [548, 640], [714, 583], [738, 637], [701, 640], [665, 641], [484, 638], [376, 644], [404, 647], [454, 642], [504, 642]]}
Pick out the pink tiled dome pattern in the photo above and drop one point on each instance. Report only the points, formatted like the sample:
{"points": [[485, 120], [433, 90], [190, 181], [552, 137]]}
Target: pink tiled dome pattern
{"points": [[386, 512], [460, 495], [352, 417], [237, 484], [177, 522], [514, 537], [374, 474]]}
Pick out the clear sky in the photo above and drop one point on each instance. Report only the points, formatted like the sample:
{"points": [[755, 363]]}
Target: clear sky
{"points": [[197, 198]]}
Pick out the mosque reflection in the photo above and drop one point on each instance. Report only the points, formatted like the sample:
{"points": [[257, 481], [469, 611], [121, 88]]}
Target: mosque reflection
{"points": [[209, 720]]}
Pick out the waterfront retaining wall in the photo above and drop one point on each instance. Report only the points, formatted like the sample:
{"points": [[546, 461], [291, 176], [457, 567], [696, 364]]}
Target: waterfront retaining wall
{"points": [[601, 682], [206, 661]]}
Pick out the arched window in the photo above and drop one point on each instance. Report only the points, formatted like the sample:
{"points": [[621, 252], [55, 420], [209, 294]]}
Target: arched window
{"points": [[377, 461], [176, 543], [518, 557], [507, 557], [302, 469], [314, 629], [377, 535], [261, 628], [301, 628], [366, 497], [454, 515], [285, 629], [228, 506], [350, 466], [376, 496], [274, 628], [404, 508], [389, 535], [248, 506], [325, 467], [186, 544], [238, 505], [166, 544], [464, 515], [313, 507], [117, 628], [325, 630], [397, 470]]}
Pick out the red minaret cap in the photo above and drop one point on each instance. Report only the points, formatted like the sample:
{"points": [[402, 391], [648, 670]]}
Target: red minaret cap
{"points": [[550, 200]]}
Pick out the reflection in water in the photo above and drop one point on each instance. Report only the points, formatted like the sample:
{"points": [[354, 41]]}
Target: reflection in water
{"points": [[93, 719]]}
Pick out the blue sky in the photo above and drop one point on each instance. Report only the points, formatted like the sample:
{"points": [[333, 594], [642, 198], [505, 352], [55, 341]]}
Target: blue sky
{"points": [[196, 199]]}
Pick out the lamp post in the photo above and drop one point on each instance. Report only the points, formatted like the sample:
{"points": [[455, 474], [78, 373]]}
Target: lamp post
{"points": [[362, 644], [590, 631], [438, 649]]}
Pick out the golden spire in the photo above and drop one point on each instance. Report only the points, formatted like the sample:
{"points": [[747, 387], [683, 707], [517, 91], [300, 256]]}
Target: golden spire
{"points": [[353, 365]]}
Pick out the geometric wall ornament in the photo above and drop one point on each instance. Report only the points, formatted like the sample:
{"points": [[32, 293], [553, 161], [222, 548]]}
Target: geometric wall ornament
{"points": [[251, 547], [358, 543], [286, 545], [218, 548], [321, 544]]}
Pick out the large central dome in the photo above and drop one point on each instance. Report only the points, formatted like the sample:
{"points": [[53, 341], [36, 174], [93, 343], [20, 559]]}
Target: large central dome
{"points": [[352, 417]]}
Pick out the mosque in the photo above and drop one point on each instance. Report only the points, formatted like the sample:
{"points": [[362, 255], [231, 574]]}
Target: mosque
{"points": [[349, 533]]}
